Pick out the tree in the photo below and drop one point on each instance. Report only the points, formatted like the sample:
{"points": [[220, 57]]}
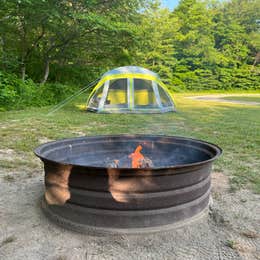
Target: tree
{"points": [[23, 27], [53, 30], [155, 43]]}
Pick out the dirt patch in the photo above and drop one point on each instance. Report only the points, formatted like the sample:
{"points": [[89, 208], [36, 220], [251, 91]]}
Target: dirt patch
{"points": [[220, 98], [44, 139], [7, 154], [79, 133], [220, 182], [37, 238], [250, 234]]}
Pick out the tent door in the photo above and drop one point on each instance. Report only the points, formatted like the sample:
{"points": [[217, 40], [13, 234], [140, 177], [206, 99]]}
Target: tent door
{"points": [[104, 96], [156, 93]]}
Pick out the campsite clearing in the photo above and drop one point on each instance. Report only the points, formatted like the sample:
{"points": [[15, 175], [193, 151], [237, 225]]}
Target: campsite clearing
{"points": [[234, 215]]}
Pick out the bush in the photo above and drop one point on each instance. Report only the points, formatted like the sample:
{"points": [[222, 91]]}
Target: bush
{"points": [[15, 93], [53, 93], [222, 78], [18, 94]]}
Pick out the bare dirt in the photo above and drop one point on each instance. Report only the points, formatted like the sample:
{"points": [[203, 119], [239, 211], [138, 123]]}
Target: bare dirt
{"points": [[220, 98], [230, 231]]}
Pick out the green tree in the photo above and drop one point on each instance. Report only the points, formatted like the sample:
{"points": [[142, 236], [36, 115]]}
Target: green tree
{"points": [[37, 33], [155, 43]]}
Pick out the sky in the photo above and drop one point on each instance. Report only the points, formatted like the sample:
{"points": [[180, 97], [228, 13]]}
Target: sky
{"points": [[170, 3]]}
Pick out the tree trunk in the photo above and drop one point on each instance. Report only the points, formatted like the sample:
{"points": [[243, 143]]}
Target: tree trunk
{"points": [[256, 61], [257, 58], [23, 69], [46, 71]]}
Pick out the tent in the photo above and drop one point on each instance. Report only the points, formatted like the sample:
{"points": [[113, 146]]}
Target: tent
{"points": [[130, 89]]}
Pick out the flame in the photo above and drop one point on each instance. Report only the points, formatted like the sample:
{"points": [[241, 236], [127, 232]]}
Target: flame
{"points": [[123, 189], [137, 157]]}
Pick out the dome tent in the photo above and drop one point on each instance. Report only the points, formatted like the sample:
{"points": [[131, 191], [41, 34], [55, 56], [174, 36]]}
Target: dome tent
{"points": [[130, 89]]}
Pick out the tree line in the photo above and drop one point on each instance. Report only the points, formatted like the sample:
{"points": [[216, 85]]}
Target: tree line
{"points": [[201, 44]]}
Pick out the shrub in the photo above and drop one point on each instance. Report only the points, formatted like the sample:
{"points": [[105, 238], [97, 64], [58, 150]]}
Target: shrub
{"points": [[15, 93], [18, 94], [54, 93], [221, 78]]}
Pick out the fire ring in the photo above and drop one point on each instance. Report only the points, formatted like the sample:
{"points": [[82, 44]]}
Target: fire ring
{"points": [[94, 184]]}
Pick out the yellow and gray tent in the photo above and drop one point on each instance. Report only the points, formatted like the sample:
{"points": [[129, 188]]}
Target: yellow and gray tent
{"points": [[130, 89]]}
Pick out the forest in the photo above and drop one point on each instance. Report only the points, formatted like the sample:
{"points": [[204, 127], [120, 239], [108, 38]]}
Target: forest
{"points": [[51, 48]]}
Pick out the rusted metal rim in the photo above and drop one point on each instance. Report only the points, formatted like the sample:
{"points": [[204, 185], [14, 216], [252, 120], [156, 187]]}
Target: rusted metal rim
{"points": [[39, 151], [105, 231], [88, 198]]}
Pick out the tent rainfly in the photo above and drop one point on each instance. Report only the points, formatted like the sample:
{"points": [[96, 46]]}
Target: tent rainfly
{"points": [[130, 89]]}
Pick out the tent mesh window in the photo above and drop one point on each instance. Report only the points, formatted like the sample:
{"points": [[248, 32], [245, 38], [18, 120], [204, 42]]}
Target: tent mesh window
{"points": [[165, 99], [144, 94], [117, 94], [95, 100]]}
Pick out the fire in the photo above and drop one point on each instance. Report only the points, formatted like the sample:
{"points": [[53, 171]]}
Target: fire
{"points": [[122, 189], [139, 160], [137, 157], [133, 160]]}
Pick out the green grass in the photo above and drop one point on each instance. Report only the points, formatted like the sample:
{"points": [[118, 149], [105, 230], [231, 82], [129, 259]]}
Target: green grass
{"points": [[235, 128], [243, 98]]}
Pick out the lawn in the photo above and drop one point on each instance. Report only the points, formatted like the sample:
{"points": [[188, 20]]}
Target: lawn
{"points": [[235, 128]]}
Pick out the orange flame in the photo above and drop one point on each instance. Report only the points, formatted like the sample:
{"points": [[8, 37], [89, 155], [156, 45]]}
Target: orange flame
{"points": [[125, 190], [137, 157]]}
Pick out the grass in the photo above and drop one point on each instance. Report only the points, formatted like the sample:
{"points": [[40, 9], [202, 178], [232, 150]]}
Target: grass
{"points": [[243, 98], [235, 128], [231, 243]]}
